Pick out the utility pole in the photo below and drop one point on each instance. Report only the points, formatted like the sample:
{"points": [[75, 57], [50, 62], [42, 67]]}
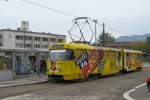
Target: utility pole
{"points": [[95, 21], [103, 34]]}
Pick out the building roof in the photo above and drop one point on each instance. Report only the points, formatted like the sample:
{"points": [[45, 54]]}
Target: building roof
{"points": [[132, 51], [42, 33]]}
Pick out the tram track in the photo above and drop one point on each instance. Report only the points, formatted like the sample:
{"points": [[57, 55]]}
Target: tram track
{"points": [[23, 89], [31, 88], [53, 86]]}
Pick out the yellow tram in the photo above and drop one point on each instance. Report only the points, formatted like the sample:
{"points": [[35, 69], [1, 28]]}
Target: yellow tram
{"points": [[70, 61]]}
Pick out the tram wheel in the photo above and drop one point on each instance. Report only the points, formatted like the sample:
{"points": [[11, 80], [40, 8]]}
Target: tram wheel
{"points": [[99, 75]]}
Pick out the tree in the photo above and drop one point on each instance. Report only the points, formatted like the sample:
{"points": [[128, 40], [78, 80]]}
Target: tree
{"points": [[105, 38], [142, 46], [148, 48], [139, 45]]}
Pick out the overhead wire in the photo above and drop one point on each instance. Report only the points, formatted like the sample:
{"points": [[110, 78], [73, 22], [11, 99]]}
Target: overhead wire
{"points": [[62, 12], [49, 8], [113, 29]]}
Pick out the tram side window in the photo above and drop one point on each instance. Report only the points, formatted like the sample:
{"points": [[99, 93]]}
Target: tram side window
{"points": [[140, 57], [61, 55], [128, 56], [136, 57]]}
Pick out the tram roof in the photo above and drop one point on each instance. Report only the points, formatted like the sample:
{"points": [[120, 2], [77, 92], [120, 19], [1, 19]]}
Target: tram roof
{"points": [[108, 49], [87, 46], [71, 46], [80, 46], [132, 51]]}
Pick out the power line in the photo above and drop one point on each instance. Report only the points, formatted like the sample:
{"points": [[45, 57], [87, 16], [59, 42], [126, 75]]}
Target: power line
{"points": [[52, 9], [111, 28], [4, 0]]}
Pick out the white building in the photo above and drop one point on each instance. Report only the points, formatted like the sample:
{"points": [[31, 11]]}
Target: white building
{"points": [[17, 39], [20, 49]]}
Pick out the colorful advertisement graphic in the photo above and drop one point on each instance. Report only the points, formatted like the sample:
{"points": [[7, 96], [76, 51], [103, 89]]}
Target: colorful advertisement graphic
{"points": [[101, 65], [83, 63], [89, 60]]}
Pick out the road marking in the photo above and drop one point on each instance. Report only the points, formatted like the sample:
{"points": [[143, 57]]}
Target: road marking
{"points": [[18, 84], [19, 97], [127, 96]]}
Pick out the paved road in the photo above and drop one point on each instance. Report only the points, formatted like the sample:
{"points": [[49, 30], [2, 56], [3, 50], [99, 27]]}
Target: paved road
{"points": [[141, 93], [108, 88]]}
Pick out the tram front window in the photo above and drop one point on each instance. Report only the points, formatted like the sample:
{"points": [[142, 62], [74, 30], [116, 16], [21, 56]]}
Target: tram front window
{"points": [[61, 55]]}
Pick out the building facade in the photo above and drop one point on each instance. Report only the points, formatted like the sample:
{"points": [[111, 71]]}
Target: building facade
{"points": [[21, 50], [13, 39]]}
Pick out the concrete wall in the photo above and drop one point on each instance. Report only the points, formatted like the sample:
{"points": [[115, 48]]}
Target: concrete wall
{"points": [[6, 75], [9, 39]]}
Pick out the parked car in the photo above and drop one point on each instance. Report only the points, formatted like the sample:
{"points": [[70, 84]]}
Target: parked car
{"points": [[148, 83]]}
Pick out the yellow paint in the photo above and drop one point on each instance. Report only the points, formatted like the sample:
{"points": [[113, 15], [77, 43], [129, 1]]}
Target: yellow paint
{"points": [[70, 70]]}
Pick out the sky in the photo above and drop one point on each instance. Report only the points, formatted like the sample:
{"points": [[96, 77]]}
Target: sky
{"points": [[122, 17]]}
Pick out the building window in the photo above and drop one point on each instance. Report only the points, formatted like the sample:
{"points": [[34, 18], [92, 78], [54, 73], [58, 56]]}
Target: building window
{"points": [[28, 37], [37, 38], [1, 36], [44, 46], [28, 45], [19, 37], [1, 45], [52, 40], [20, 45], [45, 39], [36, 45]]}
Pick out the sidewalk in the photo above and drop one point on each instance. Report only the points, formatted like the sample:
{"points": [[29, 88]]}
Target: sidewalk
{"points": [[24, 80]]}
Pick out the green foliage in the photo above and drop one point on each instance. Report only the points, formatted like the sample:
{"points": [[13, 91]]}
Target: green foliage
{"points": [[148, 48], [105, 38], [139, 45], [142, 46]]}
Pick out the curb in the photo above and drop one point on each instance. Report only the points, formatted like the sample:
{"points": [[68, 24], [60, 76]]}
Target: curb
{"points": [[19, 84]]}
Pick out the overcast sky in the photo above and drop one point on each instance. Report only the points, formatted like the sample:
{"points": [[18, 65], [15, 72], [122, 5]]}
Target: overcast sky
{"points": [[124, 17]]}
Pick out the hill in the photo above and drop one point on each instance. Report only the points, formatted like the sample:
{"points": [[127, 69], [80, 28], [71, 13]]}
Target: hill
{"points": [[133, 38]]}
